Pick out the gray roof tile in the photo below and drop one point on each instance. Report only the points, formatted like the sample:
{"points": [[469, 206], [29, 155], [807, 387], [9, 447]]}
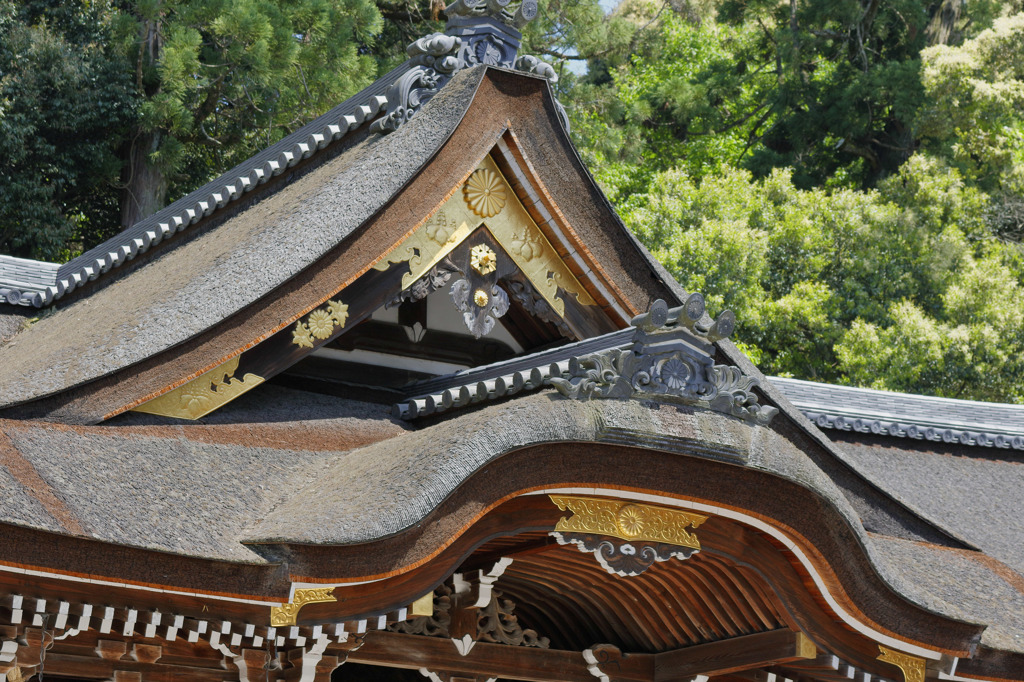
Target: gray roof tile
{"points": [[905, 415]]}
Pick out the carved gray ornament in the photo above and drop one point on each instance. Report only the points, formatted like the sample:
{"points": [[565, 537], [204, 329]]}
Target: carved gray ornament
{"points": [[535, 304], [534, 65], [477, 32], [480, 307], [435, 278], [670, 360], [434, 62], [514, 14]]}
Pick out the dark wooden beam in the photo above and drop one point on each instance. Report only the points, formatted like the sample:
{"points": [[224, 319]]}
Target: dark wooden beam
{"points": [[95, 668], [548, 665], [733, 655], [494, 660]]}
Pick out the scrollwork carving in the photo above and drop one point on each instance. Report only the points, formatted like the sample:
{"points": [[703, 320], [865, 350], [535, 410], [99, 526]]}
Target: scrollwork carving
{"points": [[480, 308], [499, 624], [436, 278], [734, 394], [670, 360], [538, 307], [622, 558], [434, 625], [494, 622]]}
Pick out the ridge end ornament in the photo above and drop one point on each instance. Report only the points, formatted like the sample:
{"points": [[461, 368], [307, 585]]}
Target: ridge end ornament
{"points": [[913, 667], [287, 614], [477, 32], [626, 538], [671, 359]]}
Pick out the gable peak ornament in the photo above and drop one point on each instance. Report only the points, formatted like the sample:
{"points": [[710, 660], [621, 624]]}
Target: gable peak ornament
{"points": [[477, 32]]}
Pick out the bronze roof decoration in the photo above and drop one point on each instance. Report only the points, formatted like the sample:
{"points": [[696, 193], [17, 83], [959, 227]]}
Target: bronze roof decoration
{"points": [[671, 359], [416, 400]]}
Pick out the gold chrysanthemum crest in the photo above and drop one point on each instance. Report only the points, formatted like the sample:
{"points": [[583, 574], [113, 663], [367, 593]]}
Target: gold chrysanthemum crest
{"points": [[483, 259], [630, 521], [485, 193], [320, 324]]}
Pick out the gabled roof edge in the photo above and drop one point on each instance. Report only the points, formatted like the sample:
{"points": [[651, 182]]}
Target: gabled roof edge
{"points": [[387, 102]]}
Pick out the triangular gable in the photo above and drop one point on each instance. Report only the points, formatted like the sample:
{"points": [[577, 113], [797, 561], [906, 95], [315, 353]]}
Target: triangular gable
{"points": [[489, 248], [218, 288]]}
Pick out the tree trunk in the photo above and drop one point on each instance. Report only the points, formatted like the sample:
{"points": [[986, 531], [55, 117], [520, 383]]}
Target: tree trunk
{"points": [[144, 188], [943, 28]]}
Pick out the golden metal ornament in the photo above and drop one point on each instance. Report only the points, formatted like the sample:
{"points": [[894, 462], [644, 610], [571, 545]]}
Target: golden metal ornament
{"points": [[483, 259], [627, 520], [320, 324], [514, 230], [913, 667], [480, 297], [287, 614], [424, 606], [485, 193], [202, 395]]}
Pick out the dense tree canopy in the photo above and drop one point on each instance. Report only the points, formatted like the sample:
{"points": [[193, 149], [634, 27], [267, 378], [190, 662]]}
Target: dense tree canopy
{"points": [[848, 176]]}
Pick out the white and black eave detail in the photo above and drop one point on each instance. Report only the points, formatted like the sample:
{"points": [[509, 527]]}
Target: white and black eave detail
{"points": [[938, 434]]}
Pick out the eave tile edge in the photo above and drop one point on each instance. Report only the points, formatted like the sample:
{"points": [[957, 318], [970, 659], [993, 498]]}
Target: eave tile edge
{"points": [[138, 239], [915, 431]]}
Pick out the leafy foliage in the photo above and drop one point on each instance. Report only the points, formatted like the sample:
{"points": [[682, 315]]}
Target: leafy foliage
{"points": [[893, 288], [848, 176], [66, 100]]}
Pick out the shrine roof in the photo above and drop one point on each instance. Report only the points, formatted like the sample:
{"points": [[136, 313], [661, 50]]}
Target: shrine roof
{"points": [[186, 489], [222, 270], [244, 481], [974, 493], [35, 283]]}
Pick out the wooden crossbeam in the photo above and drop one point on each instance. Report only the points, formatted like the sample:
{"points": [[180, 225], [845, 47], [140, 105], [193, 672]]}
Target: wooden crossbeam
{"points": [[391, 649], [732, 655], [86, 667], [547, 665]]}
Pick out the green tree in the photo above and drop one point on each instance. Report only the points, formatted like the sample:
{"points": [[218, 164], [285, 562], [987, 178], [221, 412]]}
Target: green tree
{"points": [[66, 101], [219, 79], [898, 287]]}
